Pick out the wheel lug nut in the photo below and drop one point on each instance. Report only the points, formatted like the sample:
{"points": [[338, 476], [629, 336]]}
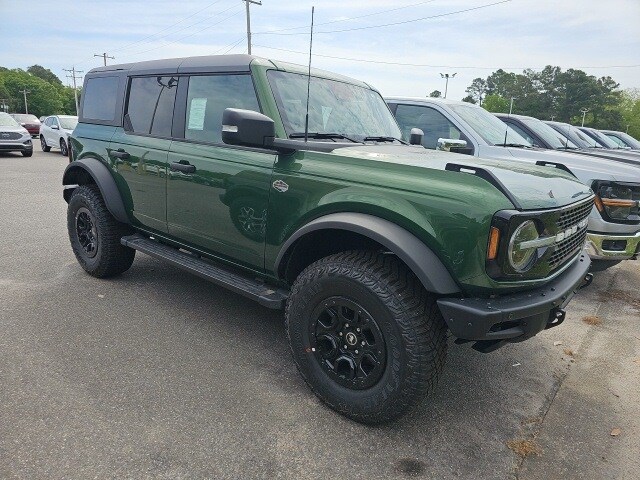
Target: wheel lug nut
{"points": [[345, 347], [346, 325], [357, 329], [362, 344], [340, 334], [356, 351]]}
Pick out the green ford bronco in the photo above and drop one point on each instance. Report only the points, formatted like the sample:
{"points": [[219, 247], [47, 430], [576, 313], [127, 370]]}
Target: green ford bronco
{"points": [[374, 247]]}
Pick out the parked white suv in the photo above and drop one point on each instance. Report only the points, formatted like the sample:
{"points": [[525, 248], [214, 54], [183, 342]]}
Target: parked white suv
{"points": [[55, 131], [14, 137]]}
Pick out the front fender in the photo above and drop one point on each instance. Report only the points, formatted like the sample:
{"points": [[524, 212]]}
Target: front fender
{"points": [[102, 177], [414, 253]]}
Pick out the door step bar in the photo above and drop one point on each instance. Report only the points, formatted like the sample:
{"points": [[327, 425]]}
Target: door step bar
{"points": [[244, 285]]}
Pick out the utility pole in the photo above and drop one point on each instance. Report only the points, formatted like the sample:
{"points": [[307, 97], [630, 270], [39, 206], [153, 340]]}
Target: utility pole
{"points": [[553, 117], [511, 106], [4, 107], [24, 91], [584, 114], [104, 56], [248, 3], [73, 76], [627, 129], [446, 86]]}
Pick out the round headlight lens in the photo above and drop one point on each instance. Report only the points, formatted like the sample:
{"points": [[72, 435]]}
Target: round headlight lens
{"points": [[520, 257]]}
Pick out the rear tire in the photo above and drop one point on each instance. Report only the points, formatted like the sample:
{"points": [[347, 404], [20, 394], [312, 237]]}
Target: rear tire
{"points": [[95, 234], [63, 148], [43, 144], [357, 312]]}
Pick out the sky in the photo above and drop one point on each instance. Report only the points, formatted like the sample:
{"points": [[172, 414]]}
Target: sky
{"points": [[471, 38]]}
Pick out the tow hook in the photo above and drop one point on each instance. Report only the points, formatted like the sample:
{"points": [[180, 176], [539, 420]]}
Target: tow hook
{"points": [[588, 278]]}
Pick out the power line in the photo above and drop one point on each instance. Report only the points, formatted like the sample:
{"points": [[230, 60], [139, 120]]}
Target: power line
{"points": [[383, 62], [404, 22], [104, 57]]}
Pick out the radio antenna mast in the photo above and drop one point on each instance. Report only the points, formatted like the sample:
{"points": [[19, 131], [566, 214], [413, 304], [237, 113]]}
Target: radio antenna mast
{"points": [[306, 118]]}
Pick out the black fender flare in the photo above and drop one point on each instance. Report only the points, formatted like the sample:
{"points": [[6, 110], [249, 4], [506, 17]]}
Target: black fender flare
{"points": [[425, 264], [100, 174]]}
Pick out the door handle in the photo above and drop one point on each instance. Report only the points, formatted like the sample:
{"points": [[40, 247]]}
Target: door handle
{"points": [[182, 166], [120, 153]]}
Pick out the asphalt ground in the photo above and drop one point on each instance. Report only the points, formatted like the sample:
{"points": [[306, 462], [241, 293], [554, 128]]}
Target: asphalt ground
{"points": [[159, 374]]}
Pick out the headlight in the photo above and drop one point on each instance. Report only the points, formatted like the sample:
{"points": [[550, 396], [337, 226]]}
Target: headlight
{"points": [[618, 201], [522, 246]]}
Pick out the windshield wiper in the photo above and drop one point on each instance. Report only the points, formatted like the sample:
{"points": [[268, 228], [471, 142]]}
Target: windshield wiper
{"points": [[384, 139], [566, 148], [320, 135], [514, 145]]}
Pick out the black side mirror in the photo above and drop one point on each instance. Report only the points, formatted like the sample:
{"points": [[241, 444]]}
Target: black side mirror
{"points": [[247, 128], [415, 138]]}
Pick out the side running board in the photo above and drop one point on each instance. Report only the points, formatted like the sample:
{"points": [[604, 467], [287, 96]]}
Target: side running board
{"points": [[244, 285]]}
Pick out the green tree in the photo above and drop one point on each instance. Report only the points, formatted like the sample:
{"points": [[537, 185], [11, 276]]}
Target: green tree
{"points": [[45, 74], [42, 99], [496, 103], [436, 94], [469, 99], [630, 111], [477, 91]]}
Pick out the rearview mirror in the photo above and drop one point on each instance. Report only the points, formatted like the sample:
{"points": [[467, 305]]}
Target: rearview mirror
{"points": [[446, 144], [247, 128]]}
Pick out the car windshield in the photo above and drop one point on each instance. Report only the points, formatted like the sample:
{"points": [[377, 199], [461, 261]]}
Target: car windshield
{"points": [[548, 134], [335, 107], [68, 123], [603, 139], [24, 118], [489, 127], [7, 120], [575, 135], [628, 140]]}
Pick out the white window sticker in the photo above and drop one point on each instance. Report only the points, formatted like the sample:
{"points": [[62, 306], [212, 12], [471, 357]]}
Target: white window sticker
{"points": [[196, 113], [326, 112]]}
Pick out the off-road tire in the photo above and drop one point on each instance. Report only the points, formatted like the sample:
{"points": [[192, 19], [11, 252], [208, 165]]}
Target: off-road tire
{"points": [[110, 257], [27, 153], [63, 148], [411, 323], [43, 144]]}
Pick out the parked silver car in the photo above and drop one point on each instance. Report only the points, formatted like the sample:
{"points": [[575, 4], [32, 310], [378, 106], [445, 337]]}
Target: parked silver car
{"points": [[614, 226], [54, 132], [14, 137]]}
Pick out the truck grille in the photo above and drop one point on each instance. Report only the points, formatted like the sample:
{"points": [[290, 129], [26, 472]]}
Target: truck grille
{"points": [[574, 241], [10, 136]]}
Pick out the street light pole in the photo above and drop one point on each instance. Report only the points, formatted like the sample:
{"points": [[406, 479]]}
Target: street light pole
{"points": [[446, 85], [584, 114], [248, 3], [24, 92]]}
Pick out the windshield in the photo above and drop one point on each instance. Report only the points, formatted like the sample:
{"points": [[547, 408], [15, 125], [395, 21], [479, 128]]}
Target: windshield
{"points": [[334, 107], [603, 139], [628, 140], [24, 118], [68, 123], [7, 121], [489, 127], [548, 134]]}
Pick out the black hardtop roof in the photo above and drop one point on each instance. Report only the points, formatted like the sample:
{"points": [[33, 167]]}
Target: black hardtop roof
{"points": [[208, 63]]}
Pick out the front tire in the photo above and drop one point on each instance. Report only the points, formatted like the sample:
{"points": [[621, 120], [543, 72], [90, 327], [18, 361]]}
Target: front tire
{"points": [[95, 234], [43, 144], [365, 335], [63, 148], [27, 153]]}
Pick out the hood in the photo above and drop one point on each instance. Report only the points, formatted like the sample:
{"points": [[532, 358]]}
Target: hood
{"points": [[15, 128], [533, 187], [585, 167], [630, 157]]}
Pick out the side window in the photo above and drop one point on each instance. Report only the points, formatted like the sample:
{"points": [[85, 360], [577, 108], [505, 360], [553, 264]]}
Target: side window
{"points": [[150, 105], [99, 98], [434, 124], [54, 122], [47, 121], [207, 98], [524, 134]]}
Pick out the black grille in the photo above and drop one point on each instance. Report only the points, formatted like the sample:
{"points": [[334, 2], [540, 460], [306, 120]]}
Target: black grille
{"points": [[10, 136], [569, 246], [573, 215]]}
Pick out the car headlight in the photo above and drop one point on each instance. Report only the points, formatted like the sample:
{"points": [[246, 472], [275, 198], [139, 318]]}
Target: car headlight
{"points": [[618, 201], [523, 246]]}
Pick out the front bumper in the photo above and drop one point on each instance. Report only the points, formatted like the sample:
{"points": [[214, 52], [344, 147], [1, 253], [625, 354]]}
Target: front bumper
{"points": [[492, 322], [17, 146], [613, 247]]}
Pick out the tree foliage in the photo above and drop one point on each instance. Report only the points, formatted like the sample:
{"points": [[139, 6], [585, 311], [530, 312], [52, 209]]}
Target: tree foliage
{"points": [[552, 92], [47, 95], [436, 94]]}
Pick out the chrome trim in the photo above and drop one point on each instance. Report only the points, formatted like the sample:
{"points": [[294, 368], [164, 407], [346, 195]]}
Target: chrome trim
{"points": [[595, 250]]}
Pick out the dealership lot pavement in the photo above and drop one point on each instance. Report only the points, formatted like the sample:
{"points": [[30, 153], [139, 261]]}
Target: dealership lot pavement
{"points": [[158, 374]]}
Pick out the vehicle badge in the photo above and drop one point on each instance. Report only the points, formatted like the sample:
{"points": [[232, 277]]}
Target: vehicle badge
{"points": [[280, 186]]}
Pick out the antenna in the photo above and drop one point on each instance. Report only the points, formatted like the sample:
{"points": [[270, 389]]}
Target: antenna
{"points": [[506, 130], [306, 119]]}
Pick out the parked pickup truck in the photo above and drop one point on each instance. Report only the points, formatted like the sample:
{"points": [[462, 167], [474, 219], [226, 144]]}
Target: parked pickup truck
{"points": [[614, 223], [375, 248]]}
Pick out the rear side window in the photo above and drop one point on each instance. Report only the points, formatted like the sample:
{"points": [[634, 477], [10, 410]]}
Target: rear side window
{"points": [[207, 98], [99, 99], [150, 105]]}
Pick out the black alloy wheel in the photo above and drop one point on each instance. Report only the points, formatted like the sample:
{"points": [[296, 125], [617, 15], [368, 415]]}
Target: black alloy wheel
{"points": [[348, 343], [63, 147], [86, 232]]}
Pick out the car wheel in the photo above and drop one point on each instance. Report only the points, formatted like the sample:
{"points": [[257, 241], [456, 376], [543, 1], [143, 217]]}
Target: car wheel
{"points": [[43, 144], [95, 234], [27, 153], [365, 335], [63, 147]]}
